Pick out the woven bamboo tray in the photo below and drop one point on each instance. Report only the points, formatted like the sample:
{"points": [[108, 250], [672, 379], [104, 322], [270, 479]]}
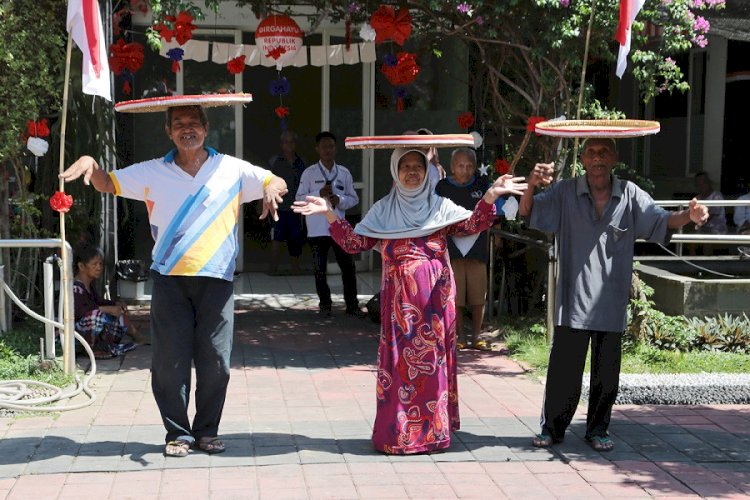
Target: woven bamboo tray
{"points": [[404, 141], [156, 104], [614, 129]]}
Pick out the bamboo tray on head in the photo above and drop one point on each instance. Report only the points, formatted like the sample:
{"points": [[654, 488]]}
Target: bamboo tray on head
{"points": [[613, 129], [156, 104], [405, 141]]}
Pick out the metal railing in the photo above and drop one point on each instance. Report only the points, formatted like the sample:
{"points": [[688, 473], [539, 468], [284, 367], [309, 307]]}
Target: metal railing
{"points": [[66, 298], [550, 249]]}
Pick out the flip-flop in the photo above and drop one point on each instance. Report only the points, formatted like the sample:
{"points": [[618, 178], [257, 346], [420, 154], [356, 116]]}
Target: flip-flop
{"points": [[177, 448], [542, 441], [601, 443], [210, 445]]}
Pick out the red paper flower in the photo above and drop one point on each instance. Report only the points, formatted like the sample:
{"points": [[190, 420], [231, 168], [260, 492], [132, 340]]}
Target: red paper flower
{"points": [[502, 166], [405, 70], [183, 27], [281, 111], [533, 120], [61, 202], [125, 56], [466, 120], [391, 25], [163, 31], [37, 129], [236, 65], [276, 52]]}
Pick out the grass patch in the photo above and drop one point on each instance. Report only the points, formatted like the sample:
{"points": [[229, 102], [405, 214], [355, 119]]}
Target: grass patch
{"points": [[19, 356], [526, 342]]}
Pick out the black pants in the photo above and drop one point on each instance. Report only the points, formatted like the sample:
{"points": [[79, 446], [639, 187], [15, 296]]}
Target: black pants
{"points": [[320, 246], [562, 392], [192, 319]]}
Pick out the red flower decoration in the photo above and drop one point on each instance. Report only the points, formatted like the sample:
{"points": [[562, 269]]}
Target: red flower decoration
{"points": [[183, 27], [502, 166], [281, 111], [466, 120], [276, 52], [236, 65], [125, 56], [163, 31], [37, 129], [405, 70], [126, 89], [533, 120], [61, 202], [391, 25]]}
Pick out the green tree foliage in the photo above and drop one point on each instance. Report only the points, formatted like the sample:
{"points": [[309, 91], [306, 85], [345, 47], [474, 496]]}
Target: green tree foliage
{"points": [[32, 55]]}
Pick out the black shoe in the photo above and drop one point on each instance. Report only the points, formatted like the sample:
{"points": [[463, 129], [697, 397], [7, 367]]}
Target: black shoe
{"points": [[356, 312]]}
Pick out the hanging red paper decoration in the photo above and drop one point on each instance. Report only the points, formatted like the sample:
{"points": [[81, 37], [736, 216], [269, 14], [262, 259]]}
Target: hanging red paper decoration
{"points": [[37, 129], [502, 166], [466, 120], [405, 70], [236, 65], [61, 202], [391, 25], [533, 120], [180, 27], [279, 38], [125, 56], [281, 111]]}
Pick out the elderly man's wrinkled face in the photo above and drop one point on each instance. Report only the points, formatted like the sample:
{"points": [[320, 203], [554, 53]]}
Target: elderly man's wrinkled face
{"points": [[411, 170], [599, 157], [462, 167], [186, 130]]}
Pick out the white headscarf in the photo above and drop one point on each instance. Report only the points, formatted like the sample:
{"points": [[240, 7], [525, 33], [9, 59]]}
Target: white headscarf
{"points": [[409, 213]]}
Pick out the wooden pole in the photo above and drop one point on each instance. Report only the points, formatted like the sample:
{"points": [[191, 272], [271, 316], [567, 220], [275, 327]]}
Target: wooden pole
{"points": [[67, 279]]}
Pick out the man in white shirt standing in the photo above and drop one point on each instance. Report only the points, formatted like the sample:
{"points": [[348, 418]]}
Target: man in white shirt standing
{"points": [[333, 182]]}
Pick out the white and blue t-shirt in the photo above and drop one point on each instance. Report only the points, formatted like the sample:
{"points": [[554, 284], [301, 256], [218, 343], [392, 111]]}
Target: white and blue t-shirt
{"points": [[193, 219]]}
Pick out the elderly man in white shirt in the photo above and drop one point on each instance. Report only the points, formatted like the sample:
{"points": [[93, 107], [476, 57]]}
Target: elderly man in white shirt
{"points": [[333, 182]]}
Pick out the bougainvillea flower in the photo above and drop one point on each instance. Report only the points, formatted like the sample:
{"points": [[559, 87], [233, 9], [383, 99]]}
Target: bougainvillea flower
{"points": [[391, 25], [61, 202], [405, 70], [466, 120], [236, 65], [502, 166]]}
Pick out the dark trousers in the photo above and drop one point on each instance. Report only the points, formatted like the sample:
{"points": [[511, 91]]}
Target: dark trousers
{"points": [[565, 373], [320, 246], [192, 321]]}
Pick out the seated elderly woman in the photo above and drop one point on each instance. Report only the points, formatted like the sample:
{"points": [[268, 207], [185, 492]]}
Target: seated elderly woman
{"points": [[417, 394], [101, 322]]}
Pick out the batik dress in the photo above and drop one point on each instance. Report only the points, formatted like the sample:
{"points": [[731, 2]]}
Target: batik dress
{"points": [[416, 389], [103, 331]]}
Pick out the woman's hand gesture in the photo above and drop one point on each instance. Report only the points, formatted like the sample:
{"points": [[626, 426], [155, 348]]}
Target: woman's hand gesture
{"points": [[506, 184], [312, 205]]}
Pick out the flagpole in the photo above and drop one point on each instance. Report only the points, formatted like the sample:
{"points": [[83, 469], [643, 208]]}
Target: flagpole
{"points": [[69, 341], [582, 85]]}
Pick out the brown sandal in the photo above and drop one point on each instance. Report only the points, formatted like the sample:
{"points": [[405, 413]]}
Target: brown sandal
{"points": [[177, 448], [210, 445]]}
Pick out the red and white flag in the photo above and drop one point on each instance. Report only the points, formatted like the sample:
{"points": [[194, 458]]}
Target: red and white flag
{"points": [[85, 26], [628, 10]]}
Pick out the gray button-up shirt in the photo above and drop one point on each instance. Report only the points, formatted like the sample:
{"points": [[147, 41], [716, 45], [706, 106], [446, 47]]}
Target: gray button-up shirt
{"points": [[596, 253]]}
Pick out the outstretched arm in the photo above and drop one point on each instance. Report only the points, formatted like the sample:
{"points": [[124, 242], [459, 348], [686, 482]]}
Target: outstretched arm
{"points": [[92, 173], [506, 184], [273, 194], [341, 231]]}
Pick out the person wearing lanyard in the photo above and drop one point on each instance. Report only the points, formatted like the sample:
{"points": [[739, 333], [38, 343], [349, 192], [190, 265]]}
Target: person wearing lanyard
{"points": [[334, 183]]}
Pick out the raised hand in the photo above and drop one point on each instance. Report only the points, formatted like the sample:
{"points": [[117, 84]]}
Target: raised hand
{"points": [[698, 212], [506, 184], [541, 174], [273, 194], [312, 205]]}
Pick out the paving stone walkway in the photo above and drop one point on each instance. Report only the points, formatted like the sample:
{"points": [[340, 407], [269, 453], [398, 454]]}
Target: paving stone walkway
{"points": [[297, 425]]}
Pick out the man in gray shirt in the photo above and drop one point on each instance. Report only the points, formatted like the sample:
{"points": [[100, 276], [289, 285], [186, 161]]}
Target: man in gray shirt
{"points": [[596, 219]]}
